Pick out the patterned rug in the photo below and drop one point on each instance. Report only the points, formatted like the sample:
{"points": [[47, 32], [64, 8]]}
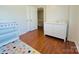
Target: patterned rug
{"points": [[17, 47]]}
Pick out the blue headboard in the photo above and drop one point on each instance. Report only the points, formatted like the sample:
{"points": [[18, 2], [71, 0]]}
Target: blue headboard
{"points": [[8, 32]]}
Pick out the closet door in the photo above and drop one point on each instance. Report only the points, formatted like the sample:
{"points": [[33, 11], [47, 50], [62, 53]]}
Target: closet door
{"points": [[33, 18], [28, 20]]}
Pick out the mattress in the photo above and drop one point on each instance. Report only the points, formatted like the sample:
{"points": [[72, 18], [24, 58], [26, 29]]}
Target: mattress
{"points": [[8, 32]]}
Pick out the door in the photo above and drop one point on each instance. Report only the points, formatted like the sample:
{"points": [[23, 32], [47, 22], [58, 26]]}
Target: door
{"points": [[33, 18]]}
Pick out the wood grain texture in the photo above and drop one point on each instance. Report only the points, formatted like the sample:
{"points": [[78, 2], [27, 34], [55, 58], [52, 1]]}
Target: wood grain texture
{"points": [[46, 44]]}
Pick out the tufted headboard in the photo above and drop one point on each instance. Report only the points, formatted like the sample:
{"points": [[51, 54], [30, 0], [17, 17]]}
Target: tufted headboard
{"points": [[8, 32]]}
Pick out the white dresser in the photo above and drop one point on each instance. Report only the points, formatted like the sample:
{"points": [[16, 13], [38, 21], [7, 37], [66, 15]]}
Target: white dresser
{"points": [[55, 30]]}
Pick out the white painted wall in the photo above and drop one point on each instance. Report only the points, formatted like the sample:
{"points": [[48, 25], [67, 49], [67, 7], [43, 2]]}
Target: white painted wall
{"points": [[74, 25], [16, 13], [78, 24], [21, 14], [56, 14]]}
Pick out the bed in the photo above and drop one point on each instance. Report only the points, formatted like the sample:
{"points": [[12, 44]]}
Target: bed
{"points": [[9, 39], [8, 32]]}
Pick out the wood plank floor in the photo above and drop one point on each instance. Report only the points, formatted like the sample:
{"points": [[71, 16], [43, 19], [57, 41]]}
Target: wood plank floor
{"points": [[48, 45]]}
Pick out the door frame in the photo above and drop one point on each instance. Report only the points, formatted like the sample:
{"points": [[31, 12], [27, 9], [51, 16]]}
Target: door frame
{"points": [[44, 16]]}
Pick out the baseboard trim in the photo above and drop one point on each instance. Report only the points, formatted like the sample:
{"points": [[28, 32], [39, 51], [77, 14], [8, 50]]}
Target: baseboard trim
{"points": [[77, 45]]}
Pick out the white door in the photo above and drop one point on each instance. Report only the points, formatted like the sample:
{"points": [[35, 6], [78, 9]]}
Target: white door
{"points": [[28, 18], [33, 18]]}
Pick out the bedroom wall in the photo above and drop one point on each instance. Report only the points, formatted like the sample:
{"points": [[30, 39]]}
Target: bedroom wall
{"points": [[77, 42], [56, 13], [74, 25], [20, 14]]}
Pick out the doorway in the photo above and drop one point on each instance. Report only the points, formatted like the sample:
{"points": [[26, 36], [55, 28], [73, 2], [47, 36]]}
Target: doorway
{"points": [[40, 17]]}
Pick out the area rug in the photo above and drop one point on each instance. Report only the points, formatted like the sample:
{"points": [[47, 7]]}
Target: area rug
{"points": [[17, 47]]}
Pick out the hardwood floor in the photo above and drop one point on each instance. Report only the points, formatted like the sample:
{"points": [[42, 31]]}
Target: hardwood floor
{"points": [[48, 45]]}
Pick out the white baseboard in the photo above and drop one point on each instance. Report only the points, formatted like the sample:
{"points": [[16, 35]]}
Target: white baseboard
{"points": [[77, 45]]}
